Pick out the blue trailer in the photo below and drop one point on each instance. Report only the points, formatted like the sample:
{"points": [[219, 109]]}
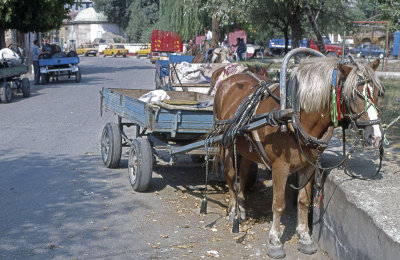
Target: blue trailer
{"points": [[396, 44], [56, 67], [160, 127]]}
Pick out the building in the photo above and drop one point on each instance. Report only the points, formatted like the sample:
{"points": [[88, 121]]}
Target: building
{"points": [[91, 26]]}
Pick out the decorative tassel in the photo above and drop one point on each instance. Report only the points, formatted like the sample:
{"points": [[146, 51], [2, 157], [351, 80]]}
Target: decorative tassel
{"points": [[203, 207], [236, 222]]}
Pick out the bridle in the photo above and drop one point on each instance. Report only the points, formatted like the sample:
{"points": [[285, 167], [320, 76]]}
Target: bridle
{"points": [[356, 123]]}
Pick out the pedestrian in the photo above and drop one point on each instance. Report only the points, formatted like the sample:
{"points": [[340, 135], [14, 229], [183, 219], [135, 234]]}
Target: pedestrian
{"points": [[208, 35], [241, 48], [65, 47], [35, 52], [189, 47]]}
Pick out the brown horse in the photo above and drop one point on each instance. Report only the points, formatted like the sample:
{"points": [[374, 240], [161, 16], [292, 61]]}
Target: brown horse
{"points": [[280, 150], [217, 55], [217, 77]]}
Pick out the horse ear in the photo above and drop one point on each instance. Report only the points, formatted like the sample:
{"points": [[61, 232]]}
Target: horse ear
{"points": [[251, 68], [374, 65], [345, 70], [267, 66]]}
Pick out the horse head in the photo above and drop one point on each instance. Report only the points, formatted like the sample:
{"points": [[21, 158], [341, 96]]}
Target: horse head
{"points": [[260, 70], [359, 100]]}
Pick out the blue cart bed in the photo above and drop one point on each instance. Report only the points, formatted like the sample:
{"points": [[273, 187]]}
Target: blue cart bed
{"points": [[56, 67], [58, 61], [160, 118]]}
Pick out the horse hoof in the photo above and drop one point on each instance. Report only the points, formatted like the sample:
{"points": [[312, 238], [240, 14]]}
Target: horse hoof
{"points": [[276, 251], [231, 216], [307, 248]]}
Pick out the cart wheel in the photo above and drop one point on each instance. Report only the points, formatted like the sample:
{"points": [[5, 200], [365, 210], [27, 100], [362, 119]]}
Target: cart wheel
{"points": [[26, 87], [252, 177], [111, 145], [140, 164], [7, 94], [78, 75], [43, 79]]}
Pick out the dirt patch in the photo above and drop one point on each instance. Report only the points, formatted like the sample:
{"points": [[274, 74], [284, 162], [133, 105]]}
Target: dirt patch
{"points": [[210, 235]]}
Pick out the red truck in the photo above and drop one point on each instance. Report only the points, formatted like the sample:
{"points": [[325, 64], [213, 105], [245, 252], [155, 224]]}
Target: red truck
{"points": [[330, 48], [163, 43]]}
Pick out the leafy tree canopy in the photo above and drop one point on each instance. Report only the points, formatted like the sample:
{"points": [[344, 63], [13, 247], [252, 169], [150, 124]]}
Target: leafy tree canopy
{"points": [[32, 15]]}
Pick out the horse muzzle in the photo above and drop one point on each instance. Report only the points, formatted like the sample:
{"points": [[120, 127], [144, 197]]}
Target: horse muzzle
{"points": [[372, 136]]}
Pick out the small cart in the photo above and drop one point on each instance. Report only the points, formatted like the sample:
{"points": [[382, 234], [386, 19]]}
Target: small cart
{"points": [[167, 124], [55, 67], [11, 82]]}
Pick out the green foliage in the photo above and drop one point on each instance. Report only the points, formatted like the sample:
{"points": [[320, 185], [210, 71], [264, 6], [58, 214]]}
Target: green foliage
{"points": [[117, 11], [33, 15], [389, 10]]}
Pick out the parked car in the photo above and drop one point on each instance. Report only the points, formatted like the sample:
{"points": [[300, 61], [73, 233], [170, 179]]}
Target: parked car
{"points": [[115, 50], [87, 49], [144, 51], [366, 49], [331, 49]]}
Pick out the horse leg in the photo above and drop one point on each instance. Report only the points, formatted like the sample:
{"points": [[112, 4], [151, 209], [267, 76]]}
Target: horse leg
{"points": [[245, 165], [230, 180], [279, 178], [305, 244]]}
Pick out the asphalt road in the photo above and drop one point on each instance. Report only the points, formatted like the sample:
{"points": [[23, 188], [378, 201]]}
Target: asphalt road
{"points": [[58, 201]]}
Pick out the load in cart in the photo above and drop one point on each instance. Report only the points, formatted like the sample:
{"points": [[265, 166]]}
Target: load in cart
{"points": [[56, 63], [12, 67]]}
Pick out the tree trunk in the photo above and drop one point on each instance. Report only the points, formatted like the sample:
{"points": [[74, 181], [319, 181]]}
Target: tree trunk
{"points": [[286, 34], [314, 25], [295, 26], [2, 38], [215, 31]]}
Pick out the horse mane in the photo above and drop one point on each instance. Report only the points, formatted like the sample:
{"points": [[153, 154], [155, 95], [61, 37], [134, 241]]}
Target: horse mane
{"points": [[314, 77], [351, 81]]}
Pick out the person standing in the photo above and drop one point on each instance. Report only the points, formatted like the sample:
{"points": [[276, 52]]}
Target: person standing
{"points": [[35, 52], [208, 34], [241, 48]]}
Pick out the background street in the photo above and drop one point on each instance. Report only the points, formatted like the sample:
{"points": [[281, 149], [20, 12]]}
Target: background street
{"points": [[58, 201]]}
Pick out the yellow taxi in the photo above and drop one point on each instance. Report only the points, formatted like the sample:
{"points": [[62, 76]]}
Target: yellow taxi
{"points": [[115, 50], [87, 49], [144, 51]]}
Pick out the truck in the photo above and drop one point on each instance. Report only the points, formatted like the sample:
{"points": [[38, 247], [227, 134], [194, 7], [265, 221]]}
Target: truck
{"points": [[277, 45], [396, 44], [163, 43], [330, 48]]}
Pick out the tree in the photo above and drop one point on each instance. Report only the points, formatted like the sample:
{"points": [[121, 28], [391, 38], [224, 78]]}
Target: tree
{"points": [[389, 10], [117, 11], [144, 15], [32, 15]]}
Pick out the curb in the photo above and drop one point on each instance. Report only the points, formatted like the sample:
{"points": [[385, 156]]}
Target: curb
{"points": [[359, 219]]}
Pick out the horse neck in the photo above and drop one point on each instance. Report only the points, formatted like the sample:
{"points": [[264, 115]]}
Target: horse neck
{"points": [[316, 123]]}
